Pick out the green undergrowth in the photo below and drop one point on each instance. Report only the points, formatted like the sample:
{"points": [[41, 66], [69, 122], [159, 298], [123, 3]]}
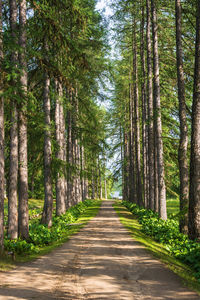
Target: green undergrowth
{"points": [[44, 239], [173, 207], [159, 250]]}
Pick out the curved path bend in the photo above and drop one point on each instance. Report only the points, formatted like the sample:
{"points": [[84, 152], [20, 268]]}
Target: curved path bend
{"points": [[101, 262]]}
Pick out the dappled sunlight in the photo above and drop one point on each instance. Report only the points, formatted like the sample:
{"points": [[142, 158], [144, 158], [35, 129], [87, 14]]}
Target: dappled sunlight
{"points": [[101, 262]]}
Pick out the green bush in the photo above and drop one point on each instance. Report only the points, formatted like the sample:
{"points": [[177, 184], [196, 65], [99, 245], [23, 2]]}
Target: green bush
{"points": [[167, 233], [40, 235], [19, 246]]}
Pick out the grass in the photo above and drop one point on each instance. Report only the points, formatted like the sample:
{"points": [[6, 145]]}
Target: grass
{"points": [[173, 206], [157, 249], [7, 263]]}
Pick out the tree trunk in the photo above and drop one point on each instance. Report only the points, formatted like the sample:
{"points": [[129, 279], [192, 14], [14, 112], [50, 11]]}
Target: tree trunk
{"points": [[1, 143], [69, 157], [100, 180], [160, 159], [144, 112], [64, 152], [23, 220], [137, 120], [105, 182], [82, 172], [126, 167], [105, 189], [132, 193], [122, 160], [13, 169], [48, 202], [60, 183], [194, 195], [183, 145], [150, 110], [93, 184]]}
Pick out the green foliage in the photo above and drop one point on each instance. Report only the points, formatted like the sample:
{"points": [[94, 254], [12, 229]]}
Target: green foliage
{"points": [[40, 235], [167, 233]]}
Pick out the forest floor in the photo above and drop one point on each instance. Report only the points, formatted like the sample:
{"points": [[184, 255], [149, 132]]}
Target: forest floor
{"points": [[101, 262]]}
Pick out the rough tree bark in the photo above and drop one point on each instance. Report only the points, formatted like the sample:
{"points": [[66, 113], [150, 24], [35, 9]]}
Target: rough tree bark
{"points": [[105, 182], [60, 180], [69, 155], [13, 170], [144, 111], [82, 153], [126, 166], [150, 110], [194, 193], [23, 220], [1, 142], [48, 201], [93, 184], [132, 188], [158, 123], [136, 119], [100, 180], [183, 145]]}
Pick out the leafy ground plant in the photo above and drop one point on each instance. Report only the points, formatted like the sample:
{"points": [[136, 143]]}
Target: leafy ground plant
{"points": [[167, 233], [44, 239]]}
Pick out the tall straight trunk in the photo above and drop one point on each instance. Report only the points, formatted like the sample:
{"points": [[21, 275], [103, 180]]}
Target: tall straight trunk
{"points": [[86, 187], [100, 180], [64, 145], [160, 159], [126, 167], [93, 184], [78, 181], [13, 170], [144, 111], [105, 189], [1, 143], [97, 181], [77, 147], [69, 155], [132, 194], [194, 194], [83, 192], [150, 110], [122, 158], [137, 119], [60, 180], [23, 220], [48, 201], [156, 190], [105, 182], [183, 145]]}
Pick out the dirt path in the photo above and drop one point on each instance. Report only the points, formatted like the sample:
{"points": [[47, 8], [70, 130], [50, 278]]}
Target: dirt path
{"points": [[100, 262]]}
